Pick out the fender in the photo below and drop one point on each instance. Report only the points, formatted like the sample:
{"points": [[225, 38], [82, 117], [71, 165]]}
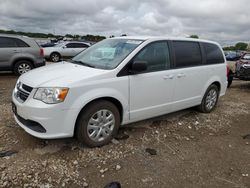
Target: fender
{"points": [[95, 94], [211, 81], [21, 56]]}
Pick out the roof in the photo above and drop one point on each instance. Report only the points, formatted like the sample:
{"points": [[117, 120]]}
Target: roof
{"points": [[164, 38], [66, 42], [12, 35]]}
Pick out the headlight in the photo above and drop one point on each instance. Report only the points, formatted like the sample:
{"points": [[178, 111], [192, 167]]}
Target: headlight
{"points": [[51, 95], [16, 86]]}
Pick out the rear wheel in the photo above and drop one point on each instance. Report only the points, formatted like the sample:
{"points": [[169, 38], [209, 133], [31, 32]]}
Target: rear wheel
{"points": [[55, 57], [210, 99], [22, 67], [98, 123]]}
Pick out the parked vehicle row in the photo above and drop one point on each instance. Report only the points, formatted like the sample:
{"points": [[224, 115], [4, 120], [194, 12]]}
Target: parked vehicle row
{"points": [[64, 50], [119, 81], [19, 54], [233, 55]]}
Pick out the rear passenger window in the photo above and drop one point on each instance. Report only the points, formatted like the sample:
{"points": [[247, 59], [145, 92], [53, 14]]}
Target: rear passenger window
{"points": [[156, 55], [7, 42], [70, 45], [213, 54], [81, 45], [76, 45], [20, 43], [187, 54]]}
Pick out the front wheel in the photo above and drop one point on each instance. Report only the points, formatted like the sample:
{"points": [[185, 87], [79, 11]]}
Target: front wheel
{"points": [[210, 99], [98, 123]]}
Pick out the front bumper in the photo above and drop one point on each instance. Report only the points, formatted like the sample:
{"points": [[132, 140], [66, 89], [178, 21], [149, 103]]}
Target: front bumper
{"points": [[243, 72], [56, 121]]}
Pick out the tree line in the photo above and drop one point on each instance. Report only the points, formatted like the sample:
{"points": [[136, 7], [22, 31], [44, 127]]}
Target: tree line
{"points": [[96, 38], [237, 46], [88, 37]]}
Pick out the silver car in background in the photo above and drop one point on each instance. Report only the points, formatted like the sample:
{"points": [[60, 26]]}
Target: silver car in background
{"points": [[64, 50], [19, 54]]}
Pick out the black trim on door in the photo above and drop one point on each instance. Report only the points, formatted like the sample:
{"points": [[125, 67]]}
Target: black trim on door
{"points": [[203, 53]]}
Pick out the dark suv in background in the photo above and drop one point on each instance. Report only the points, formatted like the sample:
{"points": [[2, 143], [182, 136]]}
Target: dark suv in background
{"points": [[19, 54], [243, 67]]}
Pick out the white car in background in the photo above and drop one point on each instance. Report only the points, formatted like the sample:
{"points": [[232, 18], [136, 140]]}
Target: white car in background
{"points": [[64, 50]]}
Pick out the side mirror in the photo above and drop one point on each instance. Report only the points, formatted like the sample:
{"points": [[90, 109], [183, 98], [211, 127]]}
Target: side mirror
{"points": [[139, 66], [64, 47]]}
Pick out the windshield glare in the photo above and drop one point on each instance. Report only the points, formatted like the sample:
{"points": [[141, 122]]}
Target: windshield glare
{"points": [[108, 53]]}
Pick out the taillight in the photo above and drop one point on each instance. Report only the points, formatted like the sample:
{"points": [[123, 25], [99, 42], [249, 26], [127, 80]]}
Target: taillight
{"points": [[41, 52]]}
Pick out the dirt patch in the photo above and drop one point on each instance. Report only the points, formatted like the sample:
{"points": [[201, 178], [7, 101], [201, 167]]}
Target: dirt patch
{"points": [[190, 149]]}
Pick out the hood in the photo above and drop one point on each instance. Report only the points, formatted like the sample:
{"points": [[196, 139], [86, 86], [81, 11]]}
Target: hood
{"points": [[59, 75], [242, 61]]}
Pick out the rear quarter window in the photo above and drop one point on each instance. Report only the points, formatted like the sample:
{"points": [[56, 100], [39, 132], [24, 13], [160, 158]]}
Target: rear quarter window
{"points": [[20, 43], [187, 54], [213, 53]]}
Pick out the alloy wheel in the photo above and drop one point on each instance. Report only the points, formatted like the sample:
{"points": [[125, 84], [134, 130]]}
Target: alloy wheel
{"points": [[211, 99], [101, 125], [23, 68]]}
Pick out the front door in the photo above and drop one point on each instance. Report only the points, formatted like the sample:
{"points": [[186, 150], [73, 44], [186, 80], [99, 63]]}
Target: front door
{"points": [[68, 50], [151, 92]]}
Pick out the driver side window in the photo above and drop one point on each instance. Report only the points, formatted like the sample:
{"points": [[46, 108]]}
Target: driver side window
{"points": [[156, 55]]}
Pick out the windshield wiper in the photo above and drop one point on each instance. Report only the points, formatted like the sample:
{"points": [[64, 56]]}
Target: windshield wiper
{"points": [[82, 63]]}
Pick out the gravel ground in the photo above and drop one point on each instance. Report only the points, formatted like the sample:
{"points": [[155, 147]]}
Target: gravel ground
{"points": [[188, 149]]}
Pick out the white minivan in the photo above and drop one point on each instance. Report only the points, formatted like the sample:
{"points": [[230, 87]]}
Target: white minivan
{"points": [[119, 81]]}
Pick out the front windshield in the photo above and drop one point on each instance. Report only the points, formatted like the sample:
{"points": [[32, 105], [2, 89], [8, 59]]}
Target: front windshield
{"points": [[108, 53]]}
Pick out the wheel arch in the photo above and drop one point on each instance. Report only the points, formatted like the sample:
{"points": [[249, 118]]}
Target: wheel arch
{"points": [[216, 81], [113, 100], [21, 59], [55, 52]]}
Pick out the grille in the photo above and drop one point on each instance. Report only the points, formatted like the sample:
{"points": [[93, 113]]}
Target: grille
{"points": [[22, 92], [27, 88], [245, 71]]}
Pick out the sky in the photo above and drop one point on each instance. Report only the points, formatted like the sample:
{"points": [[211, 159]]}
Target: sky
{"points": [[224, 21]]}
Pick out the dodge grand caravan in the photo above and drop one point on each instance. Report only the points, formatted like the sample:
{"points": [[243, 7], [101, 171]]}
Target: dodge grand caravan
{"points": [[119, 81]]}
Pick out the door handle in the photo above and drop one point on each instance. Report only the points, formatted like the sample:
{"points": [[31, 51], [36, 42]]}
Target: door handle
{"points": [[168, 77], [16, 51], [181, 75]]}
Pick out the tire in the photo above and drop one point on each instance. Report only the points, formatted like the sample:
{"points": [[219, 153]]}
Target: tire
{"points": [[91, 123], [55, 57], [22, 67], [212, 95], [230, 79]]}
